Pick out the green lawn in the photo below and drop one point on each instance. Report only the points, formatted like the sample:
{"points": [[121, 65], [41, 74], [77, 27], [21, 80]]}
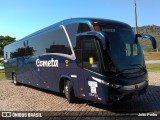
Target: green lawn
{"points": [[153, 67], [2, 75]]}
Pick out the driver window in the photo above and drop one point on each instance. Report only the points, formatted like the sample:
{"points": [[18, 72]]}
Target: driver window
{"points": [[90, 55]]}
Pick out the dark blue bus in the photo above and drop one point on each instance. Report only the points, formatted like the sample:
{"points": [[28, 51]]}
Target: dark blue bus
{"points": [[94, 59]]}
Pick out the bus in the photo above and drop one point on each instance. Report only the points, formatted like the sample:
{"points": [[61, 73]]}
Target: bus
{"points": [[95, 59]]}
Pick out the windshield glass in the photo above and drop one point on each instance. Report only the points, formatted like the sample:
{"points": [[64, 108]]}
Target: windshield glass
{"points": [[126, 55]]}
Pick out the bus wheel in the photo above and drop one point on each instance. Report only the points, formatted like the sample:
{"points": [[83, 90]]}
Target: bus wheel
{"points": [[69, 92], [15, 79]]}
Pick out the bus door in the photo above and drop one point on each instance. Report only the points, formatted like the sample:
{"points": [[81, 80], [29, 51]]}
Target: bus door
{"points": [[89, 61]]}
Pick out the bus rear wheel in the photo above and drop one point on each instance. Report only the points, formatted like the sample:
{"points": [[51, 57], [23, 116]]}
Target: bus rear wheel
{"points": [[15, 79], [69, 92]]}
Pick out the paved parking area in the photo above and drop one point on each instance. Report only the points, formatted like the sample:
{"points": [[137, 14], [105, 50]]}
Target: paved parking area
{"points": [[30, 99]]}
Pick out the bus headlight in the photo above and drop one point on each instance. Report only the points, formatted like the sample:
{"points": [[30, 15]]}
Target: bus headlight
{"points": [[111, 85], [115, 86]]}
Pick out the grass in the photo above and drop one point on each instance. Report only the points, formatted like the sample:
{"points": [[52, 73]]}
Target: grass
{"points": [[153, 67], [2, 75]]}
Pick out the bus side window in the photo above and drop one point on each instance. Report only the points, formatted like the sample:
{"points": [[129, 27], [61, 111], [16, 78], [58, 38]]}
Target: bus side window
{"points": [[90, 58], [6, 55], [83, 27], [78, 51], [72, 31], [59, 42]]}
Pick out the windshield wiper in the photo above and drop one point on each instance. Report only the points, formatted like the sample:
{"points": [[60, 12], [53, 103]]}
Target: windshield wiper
{"points": [[140, 66], [121, 72]]}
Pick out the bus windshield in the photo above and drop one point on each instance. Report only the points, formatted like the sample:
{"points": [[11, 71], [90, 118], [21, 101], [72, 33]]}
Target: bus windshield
{"points": [[125, 54]]}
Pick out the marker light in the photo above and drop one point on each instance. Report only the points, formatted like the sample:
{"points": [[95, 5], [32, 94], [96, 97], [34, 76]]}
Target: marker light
{"points": [[97, 28]]}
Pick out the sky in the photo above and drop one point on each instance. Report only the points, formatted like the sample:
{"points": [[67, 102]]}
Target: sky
{"points": [[19, 18]]}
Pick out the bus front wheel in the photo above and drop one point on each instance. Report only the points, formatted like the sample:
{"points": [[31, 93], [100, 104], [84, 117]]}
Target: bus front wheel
{"points": [[69, 92]]}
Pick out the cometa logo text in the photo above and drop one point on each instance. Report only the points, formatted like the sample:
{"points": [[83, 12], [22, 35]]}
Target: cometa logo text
{"points": [[47, 63]]}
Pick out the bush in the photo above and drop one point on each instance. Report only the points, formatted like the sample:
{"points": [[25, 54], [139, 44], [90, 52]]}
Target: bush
{"points": [[1, 61]]}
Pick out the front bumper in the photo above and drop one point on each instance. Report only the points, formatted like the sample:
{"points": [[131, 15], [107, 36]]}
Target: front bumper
{"points": [[127, 91]]}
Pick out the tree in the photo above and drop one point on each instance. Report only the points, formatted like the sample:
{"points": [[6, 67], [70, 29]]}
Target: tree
{"points": [[5, 40]]}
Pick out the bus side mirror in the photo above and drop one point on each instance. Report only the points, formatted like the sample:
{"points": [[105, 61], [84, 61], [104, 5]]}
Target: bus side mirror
{"points": [[151, 38]]}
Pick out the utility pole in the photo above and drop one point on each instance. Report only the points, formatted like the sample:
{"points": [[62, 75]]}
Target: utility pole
{"points": [[135, 14]]}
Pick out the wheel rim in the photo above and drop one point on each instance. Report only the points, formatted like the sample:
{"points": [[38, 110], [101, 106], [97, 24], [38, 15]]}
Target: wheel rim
{"points": [[14, 80], [66, 90], [66, 87]]}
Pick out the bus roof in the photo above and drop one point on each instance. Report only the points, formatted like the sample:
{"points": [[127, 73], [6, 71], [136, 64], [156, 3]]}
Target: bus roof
{"points": [[80, 20]]}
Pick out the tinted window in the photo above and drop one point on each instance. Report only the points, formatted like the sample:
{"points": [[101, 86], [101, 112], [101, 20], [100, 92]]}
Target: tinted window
{"points": [[17, 50], [7, 51], [75, 28], [86, 52], [72, 31], [83, 27], [78, 50], [125, 53], [6, 57], [53, 41], [59, 44], [90, 55], [20, 49]]}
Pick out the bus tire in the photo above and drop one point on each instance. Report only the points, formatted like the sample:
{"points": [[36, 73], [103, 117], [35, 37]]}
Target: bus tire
{"points": [[15, 79], [69, 92]]}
